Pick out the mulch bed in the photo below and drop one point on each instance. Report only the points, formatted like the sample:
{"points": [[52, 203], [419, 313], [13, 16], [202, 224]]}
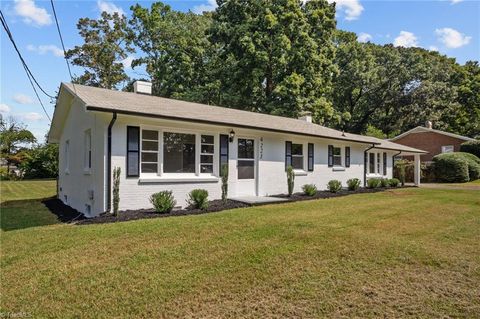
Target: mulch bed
{"points": [[127, 215], [65, 213], [326, 194]]}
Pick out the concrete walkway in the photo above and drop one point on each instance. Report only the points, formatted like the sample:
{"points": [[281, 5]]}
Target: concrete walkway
{"points": [[450, 186], [258, 200]]}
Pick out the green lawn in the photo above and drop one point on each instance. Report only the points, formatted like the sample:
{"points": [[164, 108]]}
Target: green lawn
{"points": [[399, 253]]}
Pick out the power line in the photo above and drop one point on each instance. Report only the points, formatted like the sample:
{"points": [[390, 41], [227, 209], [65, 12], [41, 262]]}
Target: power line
{"points": [[63, 45], [27, 69]]}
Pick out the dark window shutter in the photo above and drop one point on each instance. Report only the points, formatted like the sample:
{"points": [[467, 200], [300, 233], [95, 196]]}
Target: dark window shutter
{"points": [[310, 157], [347, 156], [384, 163], [133, 151], [288, 154], [223, 152], [330, 155]]}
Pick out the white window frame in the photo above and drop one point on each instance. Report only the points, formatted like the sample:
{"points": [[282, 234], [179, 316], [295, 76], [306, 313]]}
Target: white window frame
{"points": [[87, 156], [341, 157], [299, 156], [448, 148], [149, 151]]}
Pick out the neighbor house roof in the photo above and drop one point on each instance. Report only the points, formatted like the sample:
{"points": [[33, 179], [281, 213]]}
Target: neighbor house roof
{"points": [[103, 100], [422, 129]]}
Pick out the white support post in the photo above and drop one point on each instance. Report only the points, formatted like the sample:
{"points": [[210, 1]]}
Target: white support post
{"points": [[416, 171]]}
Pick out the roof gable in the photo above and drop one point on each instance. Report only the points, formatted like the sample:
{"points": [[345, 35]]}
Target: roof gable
{"points": [[422, 129]]}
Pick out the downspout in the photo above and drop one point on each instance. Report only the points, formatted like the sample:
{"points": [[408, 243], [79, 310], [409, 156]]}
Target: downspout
{"points": [[365, 165], [109, 162]]}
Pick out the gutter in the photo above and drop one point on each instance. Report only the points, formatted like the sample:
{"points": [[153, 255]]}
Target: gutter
{"points": [[365, 164], [109, 162]]}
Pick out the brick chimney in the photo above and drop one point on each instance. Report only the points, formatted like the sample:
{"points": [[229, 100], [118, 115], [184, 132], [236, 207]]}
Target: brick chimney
{"points": [[306, 116], [428, 124]]}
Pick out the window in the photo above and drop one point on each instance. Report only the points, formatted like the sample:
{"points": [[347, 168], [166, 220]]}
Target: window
{"points": [[149, 151], [178, 153], [378, 163], [133, 149], [297, 156], [207, 148], [347, 156], [87, 159], [337, 156], [371, 163], [447, 149], [310, 157], [246, 158], [223, 151], [67, 156]]}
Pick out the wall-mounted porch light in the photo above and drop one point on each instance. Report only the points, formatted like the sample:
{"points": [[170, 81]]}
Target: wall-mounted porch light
{"points": [[231, 136]]}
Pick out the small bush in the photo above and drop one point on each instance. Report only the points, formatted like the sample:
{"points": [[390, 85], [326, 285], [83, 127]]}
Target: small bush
{"points": [[334, 186], [373, 183], [456, 167], [353, 184], [309, 189], [394, 182], [384, 182], [290, 180], [163, 202], [116, 189], [472, 147], [198, 198]]}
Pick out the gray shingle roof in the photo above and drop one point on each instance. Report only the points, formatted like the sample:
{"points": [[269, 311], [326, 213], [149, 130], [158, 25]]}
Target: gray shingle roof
{"points": [[98, 99]]}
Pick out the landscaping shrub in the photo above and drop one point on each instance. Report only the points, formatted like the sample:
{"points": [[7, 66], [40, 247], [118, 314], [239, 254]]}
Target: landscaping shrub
{"points": [[394, 182], [373, 183], [163, 202], [334, 186], [400, 168], [451, 168], [309, 189], [224, 175], [472, 147], [384, 182], [353, 184], [290, 180], [198, 198], [473, 165], [116, 189]]}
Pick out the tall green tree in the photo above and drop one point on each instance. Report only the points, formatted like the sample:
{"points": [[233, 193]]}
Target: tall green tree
{"points": [[467, 120], [277, 55], [173, 47], [41, 161], [101, 54], [13, 137]]}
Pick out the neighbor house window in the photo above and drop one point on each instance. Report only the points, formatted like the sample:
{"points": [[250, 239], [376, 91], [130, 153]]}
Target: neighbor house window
{"points": [[246, 158], [337, 156], [371, 163], [297, 156], [447, 149], [87, 160], [178, 153], [206, 155], [149, 158], [67, 155]]}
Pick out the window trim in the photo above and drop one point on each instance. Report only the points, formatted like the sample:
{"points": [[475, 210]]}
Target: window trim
{"points": [[149, 151], [298, 156], [337, 156], [87, 151]]}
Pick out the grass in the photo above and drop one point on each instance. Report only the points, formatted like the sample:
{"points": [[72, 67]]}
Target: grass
{"points": [[399, 253]]}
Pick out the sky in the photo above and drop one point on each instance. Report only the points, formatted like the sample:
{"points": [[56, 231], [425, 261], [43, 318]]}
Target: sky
{"points": [[451, 27]]}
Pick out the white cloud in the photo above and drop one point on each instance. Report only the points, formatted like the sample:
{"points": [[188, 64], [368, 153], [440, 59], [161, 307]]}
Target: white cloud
{"points": [[351, 8], [22, 99], [452, 38], [4, 108], [406, 39], [455, 1], [47, 48], [32, 14], [109, 7], [127, 62], [30, 116], [364, 37], [209, 6], [433, 48]]}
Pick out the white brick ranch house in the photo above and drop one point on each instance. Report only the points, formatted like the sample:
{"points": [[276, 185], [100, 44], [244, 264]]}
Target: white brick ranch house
{"points": [[167, 144]]}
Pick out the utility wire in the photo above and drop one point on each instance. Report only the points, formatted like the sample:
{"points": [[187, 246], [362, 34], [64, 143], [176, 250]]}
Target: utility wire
{"points": [[63, 45], [27, 69]]}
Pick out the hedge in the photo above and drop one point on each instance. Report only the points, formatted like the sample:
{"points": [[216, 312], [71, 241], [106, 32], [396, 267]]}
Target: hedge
{"points": [[472, 147], [456, 167]]}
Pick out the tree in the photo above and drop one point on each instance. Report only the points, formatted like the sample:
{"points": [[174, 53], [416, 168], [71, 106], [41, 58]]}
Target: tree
{"points": [[174, 47], [277, 55], [41, 161], [13, 135], [104, 48]]}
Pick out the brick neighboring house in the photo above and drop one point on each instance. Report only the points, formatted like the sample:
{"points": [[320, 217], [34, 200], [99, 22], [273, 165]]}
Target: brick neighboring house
{"points": [[433, 141]]}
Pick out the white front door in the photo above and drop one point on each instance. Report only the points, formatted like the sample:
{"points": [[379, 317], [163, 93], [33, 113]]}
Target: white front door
{"points": [[246, 167]]}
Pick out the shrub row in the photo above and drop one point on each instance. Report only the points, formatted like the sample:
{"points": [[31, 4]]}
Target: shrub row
{"points": [[164, 202], [353, 184], [458, 167], [382, 182]]}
